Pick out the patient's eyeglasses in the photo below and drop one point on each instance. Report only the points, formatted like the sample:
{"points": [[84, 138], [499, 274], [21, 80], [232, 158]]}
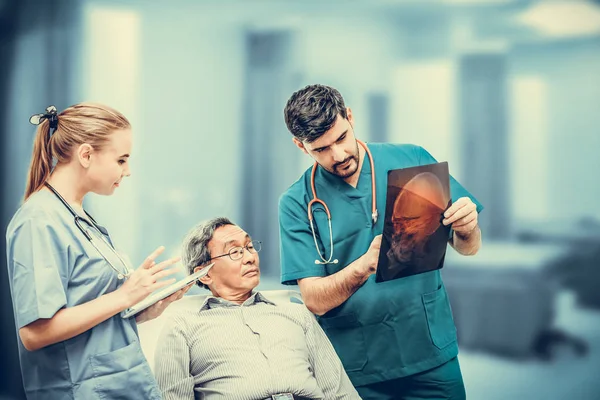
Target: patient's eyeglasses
{"points": [[236, 253]]}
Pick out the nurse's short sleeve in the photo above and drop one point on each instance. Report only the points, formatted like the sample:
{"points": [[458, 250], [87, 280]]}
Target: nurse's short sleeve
{"points": [[296, 243], [38, 271], [456, 189]]}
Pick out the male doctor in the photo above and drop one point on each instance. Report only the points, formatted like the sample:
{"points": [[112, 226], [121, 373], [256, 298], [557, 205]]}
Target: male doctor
{"points": [[396, 339]]}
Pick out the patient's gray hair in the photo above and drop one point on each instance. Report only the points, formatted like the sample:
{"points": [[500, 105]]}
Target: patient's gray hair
{"points": [[194, 250]]}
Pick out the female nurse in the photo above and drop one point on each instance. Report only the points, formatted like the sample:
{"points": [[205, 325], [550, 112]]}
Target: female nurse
{"points": [[68, 283]]}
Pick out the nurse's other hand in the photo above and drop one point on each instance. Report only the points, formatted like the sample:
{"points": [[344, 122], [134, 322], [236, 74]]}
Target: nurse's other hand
{"points": [[147, 278], [462, 215], [157, 308], [371, 257]]}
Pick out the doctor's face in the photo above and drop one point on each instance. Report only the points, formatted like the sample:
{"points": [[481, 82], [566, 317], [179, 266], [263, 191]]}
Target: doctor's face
{"points": [[229, 277], [336, 150], [110, 164]]}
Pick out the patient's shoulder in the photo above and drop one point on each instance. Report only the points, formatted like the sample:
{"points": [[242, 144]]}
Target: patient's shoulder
{"points": [[293, 307], [180, 320], [296, 311]]}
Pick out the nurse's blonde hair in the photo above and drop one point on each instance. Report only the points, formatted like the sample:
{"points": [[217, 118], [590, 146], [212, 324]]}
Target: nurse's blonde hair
{"points": [[81, 123]]}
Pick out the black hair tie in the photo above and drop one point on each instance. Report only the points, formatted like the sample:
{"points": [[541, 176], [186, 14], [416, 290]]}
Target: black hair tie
{"points": [[51, 115]]}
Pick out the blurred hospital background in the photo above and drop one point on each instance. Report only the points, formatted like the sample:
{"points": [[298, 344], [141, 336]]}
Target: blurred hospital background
{"points": [[506, 91]]}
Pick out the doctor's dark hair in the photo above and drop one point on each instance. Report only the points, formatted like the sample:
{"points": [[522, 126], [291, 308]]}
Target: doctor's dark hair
{"points": [[194, 250], [81, 123], [312, 111]]}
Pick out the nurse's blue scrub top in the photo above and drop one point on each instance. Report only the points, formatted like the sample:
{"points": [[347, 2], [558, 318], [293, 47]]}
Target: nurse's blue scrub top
{"points": [[384, 330], [51, 265]]}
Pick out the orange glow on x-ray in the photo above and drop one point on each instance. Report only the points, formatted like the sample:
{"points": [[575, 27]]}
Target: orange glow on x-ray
{"points": [[417, 214]]}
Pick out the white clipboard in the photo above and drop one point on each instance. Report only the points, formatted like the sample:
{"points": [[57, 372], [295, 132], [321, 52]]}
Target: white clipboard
{"points": [[164, 293]]}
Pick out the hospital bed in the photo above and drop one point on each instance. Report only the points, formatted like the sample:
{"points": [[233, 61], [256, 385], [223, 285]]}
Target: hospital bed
{"points": [[581, 270], [503, 297]]}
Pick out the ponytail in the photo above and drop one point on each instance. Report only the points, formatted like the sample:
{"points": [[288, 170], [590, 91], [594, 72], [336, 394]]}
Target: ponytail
{"points": [[41, 160], [58, 134]]}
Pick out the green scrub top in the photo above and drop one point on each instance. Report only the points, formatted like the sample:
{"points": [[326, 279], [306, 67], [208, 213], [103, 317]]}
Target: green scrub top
{"points": [[384, 330]]}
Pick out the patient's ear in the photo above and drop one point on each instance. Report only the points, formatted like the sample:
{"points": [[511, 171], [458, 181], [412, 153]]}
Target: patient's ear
{"points": [[206, 279]]}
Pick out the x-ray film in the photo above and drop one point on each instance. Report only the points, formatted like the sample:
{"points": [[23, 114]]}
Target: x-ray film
{"points": [[414, 238]]}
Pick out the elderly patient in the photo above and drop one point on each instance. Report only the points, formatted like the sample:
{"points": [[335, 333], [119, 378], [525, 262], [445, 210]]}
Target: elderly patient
{"points": [[238, 344]]}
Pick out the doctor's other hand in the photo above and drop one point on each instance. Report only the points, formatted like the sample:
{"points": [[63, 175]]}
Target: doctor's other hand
{"points": [[147, 278], [371, 257], [462, 215], [155, 310]]}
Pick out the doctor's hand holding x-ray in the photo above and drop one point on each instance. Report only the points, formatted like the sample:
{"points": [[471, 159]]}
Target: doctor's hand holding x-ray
{"points": [[325, 294], [462, 216], [68, 282], [371, 257]]}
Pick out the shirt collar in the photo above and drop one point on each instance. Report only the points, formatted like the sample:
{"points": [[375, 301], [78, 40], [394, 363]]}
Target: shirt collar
{"points": [[215, 302]]}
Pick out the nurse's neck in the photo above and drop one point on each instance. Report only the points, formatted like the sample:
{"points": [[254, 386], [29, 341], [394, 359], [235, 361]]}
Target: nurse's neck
{"points": [[353, 179], [67, 181]]}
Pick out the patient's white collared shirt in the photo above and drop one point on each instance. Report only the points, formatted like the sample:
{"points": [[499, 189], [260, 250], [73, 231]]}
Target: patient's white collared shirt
{"points": [[248, 352]]}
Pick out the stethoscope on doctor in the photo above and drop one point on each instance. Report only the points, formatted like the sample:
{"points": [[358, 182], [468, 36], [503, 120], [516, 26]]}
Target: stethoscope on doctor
{"points": [[315, 199]]}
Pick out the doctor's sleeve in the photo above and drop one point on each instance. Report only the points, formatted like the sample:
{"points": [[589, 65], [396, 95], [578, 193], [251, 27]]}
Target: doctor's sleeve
{"points": [[456, 189], [296, 244], [38, 271], [326, 365], [172, 364]]}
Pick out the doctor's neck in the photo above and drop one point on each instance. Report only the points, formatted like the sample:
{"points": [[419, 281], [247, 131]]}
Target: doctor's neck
{"points": [[68, 182], [352, 180]]}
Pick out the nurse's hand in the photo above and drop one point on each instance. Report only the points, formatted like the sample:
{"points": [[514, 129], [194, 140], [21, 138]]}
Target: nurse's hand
{"points": [[371, 257], [462, 215], [147, 278], [157, 309]]}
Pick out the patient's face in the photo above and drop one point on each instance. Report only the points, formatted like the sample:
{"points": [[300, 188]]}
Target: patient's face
{"points": [[229, 276]]}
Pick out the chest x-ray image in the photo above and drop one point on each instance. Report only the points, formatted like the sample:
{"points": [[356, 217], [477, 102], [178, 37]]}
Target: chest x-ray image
{"points": [[414, 238]]}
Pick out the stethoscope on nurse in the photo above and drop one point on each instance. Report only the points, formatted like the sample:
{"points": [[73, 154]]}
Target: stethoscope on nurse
{"points": [[93, 229], [125, 271]]}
